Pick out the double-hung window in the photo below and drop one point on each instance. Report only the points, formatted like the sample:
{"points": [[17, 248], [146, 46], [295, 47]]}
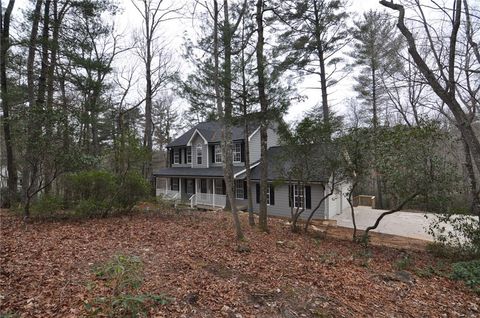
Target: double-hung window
{"points": [[239, 189], [218, 153], [176, 156], [237, 152], [199, 154], [189, 154], [298, 196]]}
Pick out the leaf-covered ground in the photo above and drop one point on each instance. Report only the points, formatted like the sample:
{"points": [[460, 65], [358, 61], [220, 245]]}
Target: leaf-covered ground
{"points": [[45, 270]]}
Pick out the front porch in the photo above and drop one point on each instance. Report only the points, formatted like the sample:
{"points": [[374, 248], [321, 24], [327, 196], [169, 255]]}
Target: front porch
{"points": [[196, 192]]}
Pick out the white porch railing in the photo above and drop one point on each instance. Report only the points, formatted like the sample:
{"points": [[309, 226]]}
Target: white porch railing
{"points": [[168, 194], [209, 199]]}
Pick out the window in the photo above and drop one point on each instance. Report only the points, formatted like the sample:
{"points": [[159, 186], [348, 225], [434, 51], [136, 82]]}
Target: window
{"points": [[237, 152], [218, 153], [189, 154], [298, 196], [176, 156], [270, 195], [239, 189], [174, 184], [199, 154], [218, 186]]}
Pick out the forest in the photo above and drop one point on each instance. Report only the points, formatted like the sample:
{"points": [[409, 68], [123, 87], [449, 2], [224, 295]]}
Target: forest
{"points": [[89, 107]]}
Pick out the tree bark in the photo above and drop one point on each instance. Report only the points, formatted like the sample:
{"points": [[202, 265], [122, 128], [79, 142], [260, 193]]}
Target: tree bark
{"points": [[262, 222], [31, 130], [474, 199], [384, 214], [11, 162], [227, 121], [321, 61]]}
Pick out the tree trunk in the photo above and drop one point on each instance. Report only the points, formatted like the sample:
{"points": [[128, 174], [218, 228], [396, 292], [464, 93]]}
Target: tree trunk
{"points": [[446, 94], [11, 162], [474, 199], [321, 61], [262, 222], [227, 121], [50, 78], [384, 214], [31, 127], [352, 210]]}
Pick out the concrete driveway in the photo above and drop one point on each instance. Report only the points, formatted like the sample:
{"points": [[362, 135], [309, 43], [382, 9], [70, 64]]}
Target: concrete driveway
{"points": [[406, 224]]}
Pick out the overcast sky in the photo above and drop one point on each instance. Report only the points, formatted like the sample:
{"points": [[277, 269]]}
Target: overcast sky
{"points": [[129, 20]]}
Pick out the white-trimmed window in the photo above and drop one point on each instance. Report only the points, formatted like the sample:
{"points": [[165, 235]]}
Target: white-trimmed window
{"points": [[189, 154], [218, 153], [298, 196], [176, 156], [239, 189], [237, 152], [199, 154]]}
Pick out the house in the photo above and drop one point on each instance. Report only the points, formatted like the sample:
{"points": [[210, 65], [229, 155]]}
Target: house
{"points": [[195, 175]]}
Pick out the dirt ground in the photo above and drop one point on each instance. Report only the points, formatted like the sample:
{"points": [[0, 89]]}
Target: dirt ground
{"points": [[45, 270]]}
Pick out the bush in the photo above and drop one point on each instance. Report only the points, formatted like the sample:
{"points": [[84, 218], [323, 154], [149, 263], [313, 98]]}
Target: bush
{"points": [[469, 272], [47, 206], [133, 188], [122, 277], [457, 236], [99, 193]]}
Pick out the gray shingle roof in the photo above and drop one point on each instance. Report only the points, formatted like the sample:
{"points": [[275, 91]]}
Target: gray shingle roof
{"points": [[193, 172], [279, 165], [212, 131]]}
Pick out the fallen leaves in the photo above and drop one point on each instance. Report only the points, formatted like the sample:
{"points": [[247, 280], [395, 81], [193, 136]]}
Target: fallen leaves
{"points": [[193, 257]]}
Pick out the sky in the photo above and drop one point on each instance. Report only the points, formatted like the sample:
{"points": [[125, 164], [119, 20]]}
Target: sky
{"points": [[128, 20], [339, 94]]}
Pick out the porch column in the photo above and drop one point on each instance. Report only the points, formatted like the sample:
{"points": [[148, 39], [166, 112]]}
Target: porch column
{"points": [[166, 185], [213, 192]]}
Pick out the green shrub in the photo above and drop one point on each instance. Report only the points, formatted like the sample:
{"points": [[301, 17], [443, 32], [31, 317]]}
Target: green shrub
{"points": [[133, 188], [122, 277], [47, 205], [99, 193], [405, 262], [469, 272], [123, 272]]}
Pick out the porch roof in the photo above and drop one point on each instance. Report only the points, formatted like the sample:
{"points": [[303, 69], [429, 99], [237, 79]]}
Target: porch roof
{"points": [[194, 172]]}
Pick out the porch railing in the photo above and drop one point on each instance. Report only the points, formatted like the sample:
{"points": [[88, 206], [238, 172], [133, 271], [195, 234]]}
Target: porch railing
{"points": [[168, 194], [210, 199]]}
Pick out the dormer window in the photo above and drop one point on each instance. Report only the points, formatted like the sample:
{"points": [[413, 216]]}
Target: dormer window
{"points": [[176, 156], [199, 154], [237, 152], [218, 153]]}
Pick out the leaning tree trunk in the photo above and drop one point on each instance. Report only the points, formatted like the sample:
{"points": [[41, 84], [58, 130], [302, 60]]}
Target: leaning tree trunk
{"points": [[445, 92]]}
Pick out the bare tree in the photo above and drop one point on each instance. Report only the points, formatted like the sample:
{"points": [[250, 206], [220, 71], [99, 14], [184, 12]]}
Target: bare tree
{"points": [[156, 60], [444, 71]]}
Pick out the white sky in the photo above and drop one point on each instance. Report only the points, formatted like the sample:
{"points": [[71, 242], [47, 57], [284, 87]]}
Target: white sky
{"points": [[129, 20]]}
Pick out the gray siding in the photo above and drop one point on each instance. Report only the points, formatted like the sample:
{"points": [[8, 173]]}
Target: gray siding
{"points": [[281, 207], [272, 141], [196, 141]]}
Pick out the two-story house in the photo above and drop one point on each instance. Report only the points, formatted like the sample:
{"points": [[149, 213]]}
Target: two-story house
{"points": [[195, 174]]}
